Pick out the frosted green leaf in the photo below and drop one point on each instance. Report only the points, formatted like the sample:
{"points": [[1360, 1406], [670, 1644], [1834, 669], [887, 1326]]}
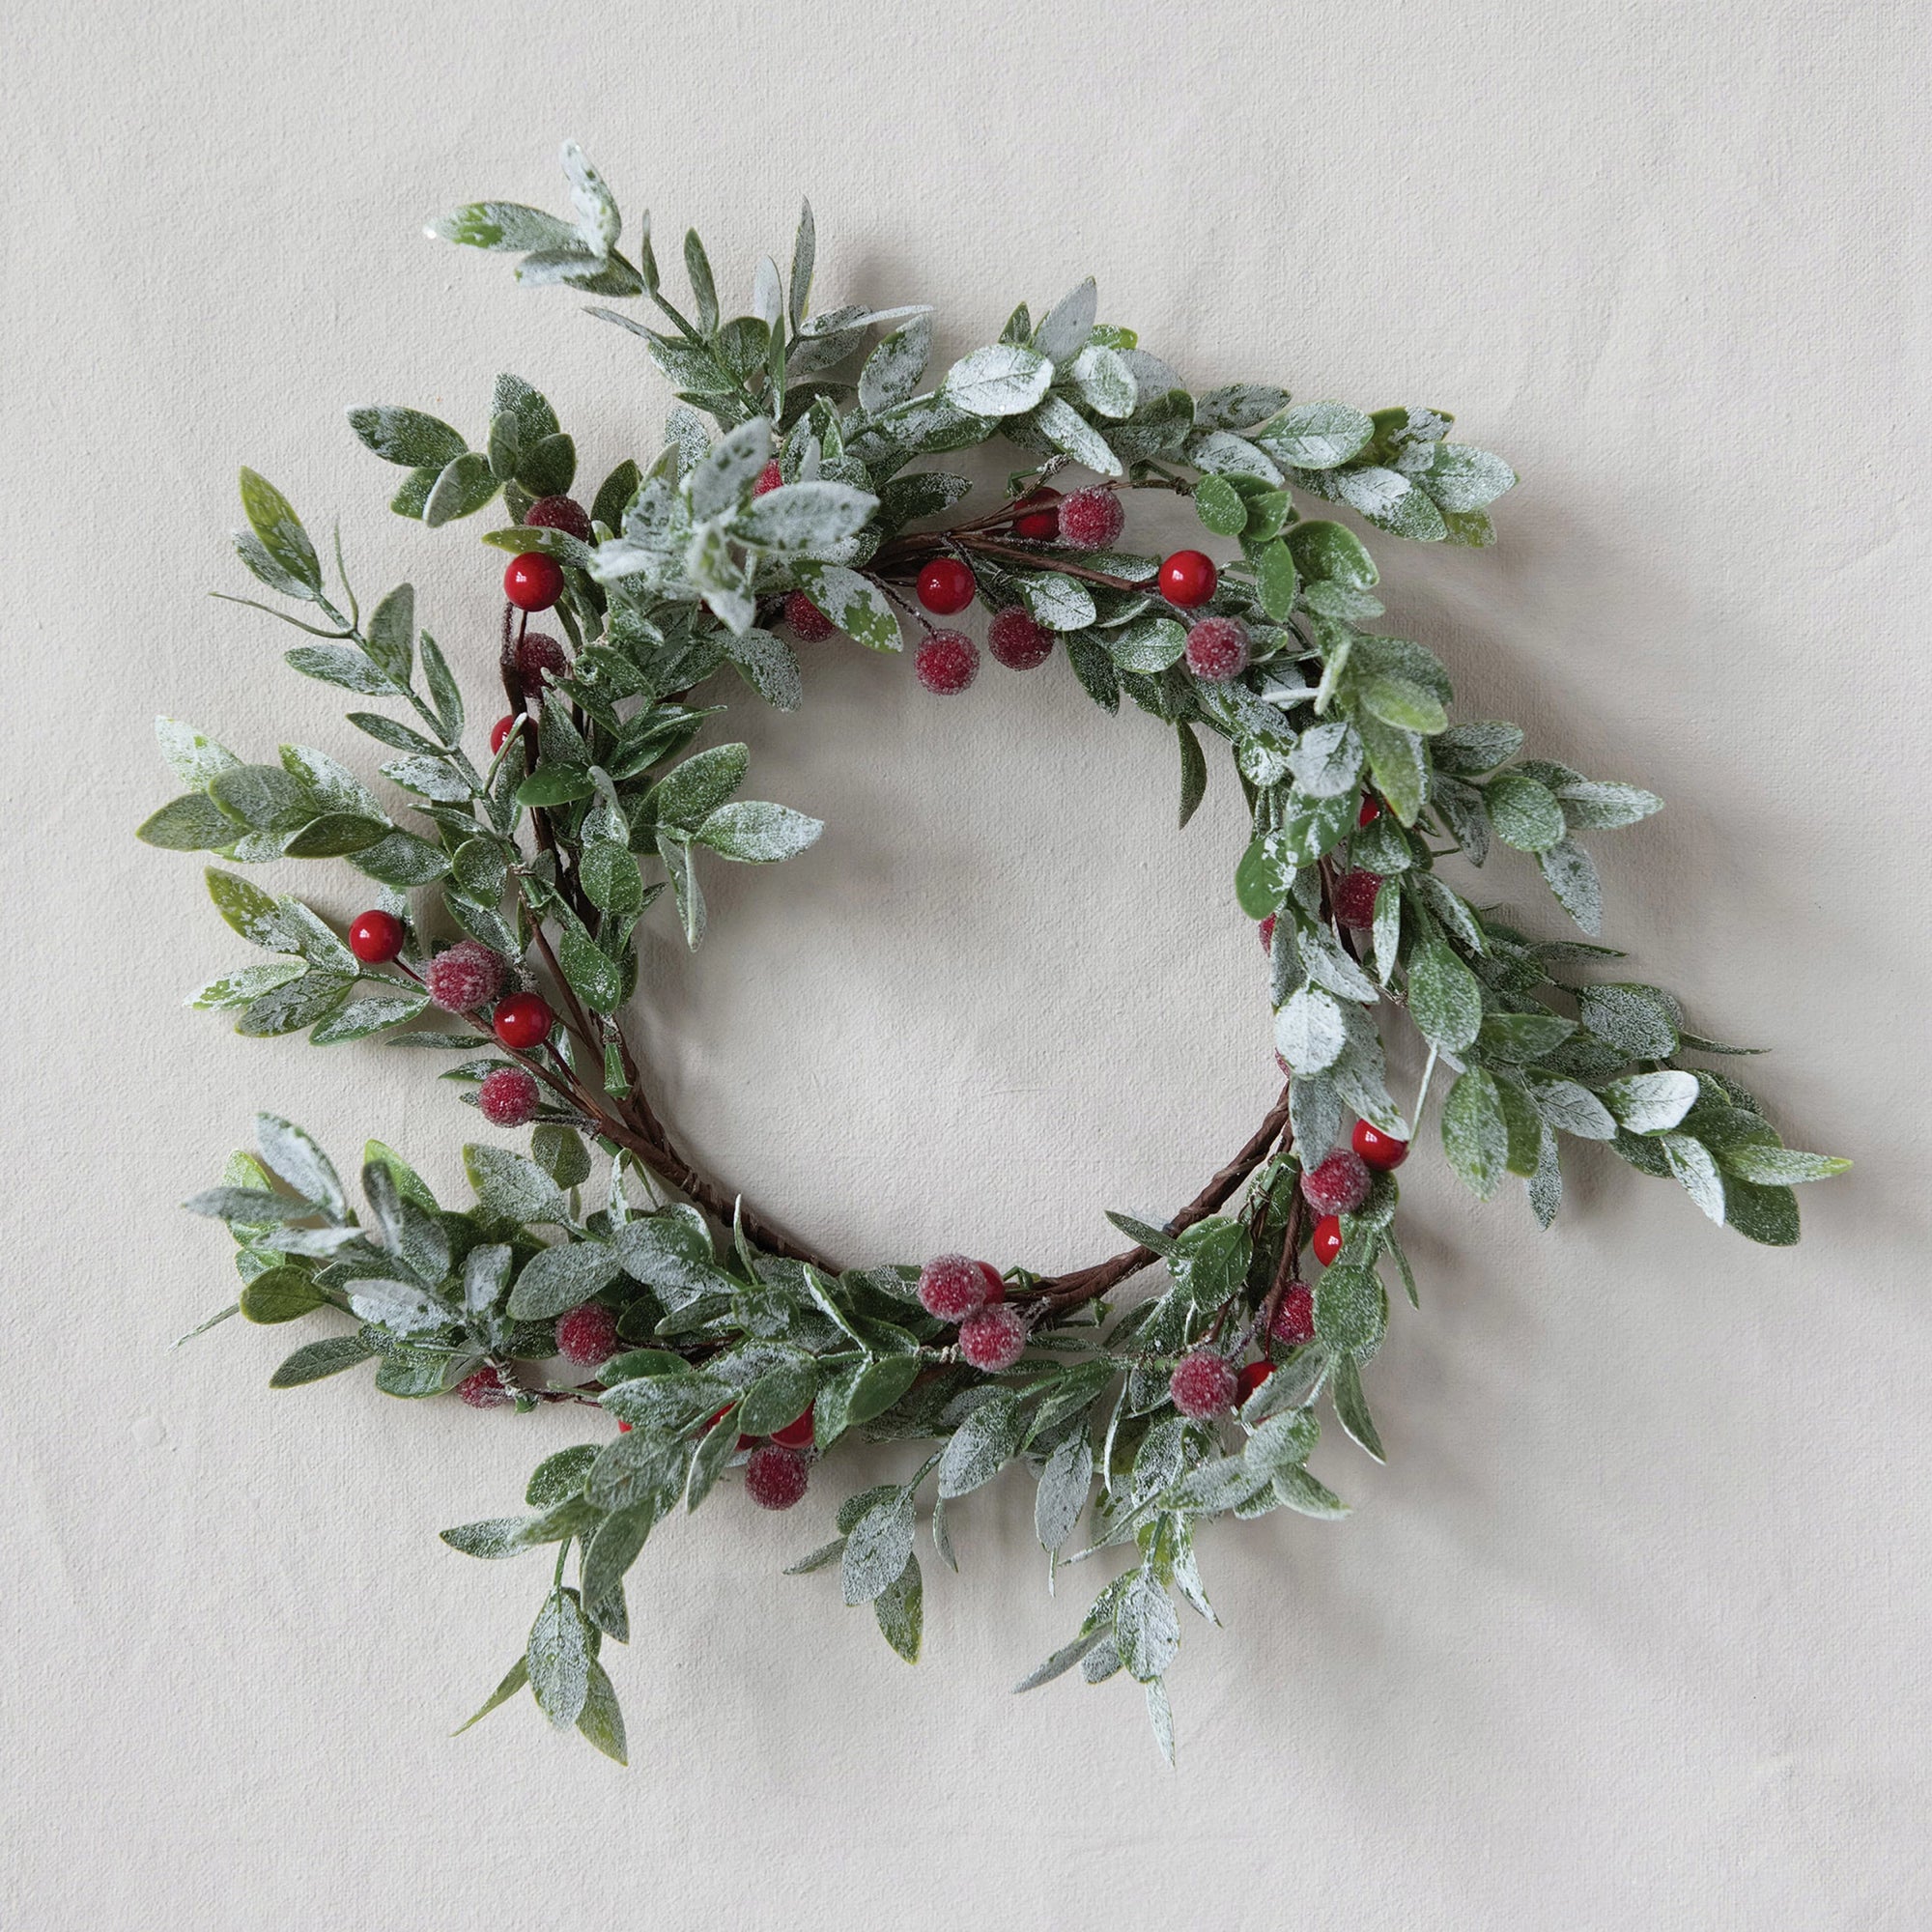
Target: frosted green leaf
{"points": [[558, 1660], [1475, 1136], [892, 369], [1222, 453], [1057, 602], [314, 1360], [1240, 405], [1351, 1406], [1574, 1109], [1317, 436], [461, 488], [1327, 759], [1147, 644], [900, 1612], [511, 1185], [1063, 1490], [1350, 1310], [877, 1547], [194, 758], [561, 1278], [1067, 430], [504, 227], [1695, 1168], [258, 918], [1145, 1628], [1639, 1021], [757, 831], [983, 1446], [601, 1722], [1651, 1103], [1596, 805], [1445, 998], [190, 823], [279, 531], [408, 437], [1777, 1166], [1525, 815], [1063, 335], [1104, 383], [1309, 1031], [1572, 876], [1473, 749], [294, 1157], [1463, 479], [1406, 706], [1003, 380], [855, 604], [804, 518], [249, 982]]}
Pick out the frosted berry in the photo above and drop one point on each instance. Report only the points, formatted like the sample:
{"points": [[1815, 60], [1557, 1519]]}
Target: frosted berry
{"points": [[1091, 519], [1326, 1240], [1202, 1384], [948, 662], [508, 1097], [1017, 640], [1338, 1184], [1188, 578], [485, 1389], [1267, 931], [376, 937], [1354, 897], [1251, 1378], [775, 1477], [1217, 649], [587, 1336], [796, 1434], [539, 658], [944, 587], [499, 731], [533, 582], [996, 1288], [1039, 520], [995, 1338], [466, 977], [523, 1020], [769, 479], [1294, 1321], [809, 623], [952, 1287], [1370, 811], [559, 513], [1381, 1150]]}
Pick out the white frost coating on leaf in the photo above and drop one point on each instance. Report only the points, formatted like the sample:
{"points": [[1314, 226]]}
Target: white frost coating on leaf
{"points": [[893, 370], [729, 468], [1001, 380], [1696, 1171], [1652, 1104], [1063, 334], [805, 519], [757, 831], [1105, 383], [399, 1306], [1571, 874], [1309, 1031]]}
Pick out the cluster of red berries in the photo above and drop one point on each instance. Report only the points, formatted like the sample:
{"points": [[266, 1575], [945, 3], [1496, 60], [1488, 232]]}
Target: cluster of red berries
{"points": [[1342, 1175], [778, 1470], [992, 1331], [534, 580]]}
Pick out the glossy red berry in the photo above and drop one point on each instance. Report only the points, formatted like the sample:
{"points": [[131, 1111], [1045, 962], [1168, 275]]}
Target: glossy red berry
{"points": [[1267, 931], [1338, 1183], [1253, 1375], [587, 1337], [1354, 897], [768, 478], [499, 731], [775, 1477], [376, 937], [1382, 1151], [539, 659], [1091, 519], [994, 1339], [952, 1287], [1188, 578], [1217, 649], [809, 623], [508, 1097], [796, 1434], [1202, 1384], [996, 1286], [1039, 520], [1294, 1321], [1017, 640], [559, 513], [623, 1428], [466, 977], [946, 661], [533, 582], [944, 587], [1370, 811], [1326, 1239], [484, 1390], [523, 1020]]}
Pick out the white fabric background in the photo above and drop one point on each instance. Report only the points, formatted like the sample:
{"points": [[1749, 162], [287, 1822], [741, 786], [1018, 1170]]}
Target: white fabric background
{"points": [[1631, 1631]]}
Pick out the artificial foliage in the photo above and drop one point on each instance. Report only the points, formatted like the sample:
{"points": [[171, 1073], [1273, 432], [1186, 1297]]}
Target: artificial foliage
{"points": [[800, 496]]}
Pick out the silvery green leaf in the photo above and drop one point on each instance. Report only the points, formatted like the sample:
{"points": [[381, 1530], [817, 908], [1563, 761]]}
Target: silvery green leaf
{"points": [[1105, 383], [1147, 644], [514, 1680], [1067, 430], [855, 604], [729, 468], [670, 1253], [1638, 1020], [1525, 815], [561, 1278], [299, 1003], [1387, 935], [1574, 1109], [598, 221], [293, 1156], [1061, 1661], [465, 485], [1057, 602], [1327, 759], [1651, 1103], [513, 1187], [1386, 498], [1451, 910], [402, 860], [1286, 1438], [342, 666], [804, 256], [1445, 998], [804, 518], [247, 1207], [194, 758], [1241, 406], [190, 823], [983, 1444], [1294, 1385], [280, 532], [431, 778], [1315, 1114], [899, 1610], [1147, 1629], [1329, 963], [503, 227], [314, 1360], [758, 833], [558, 1660], [1350, 1310], [1572, 876], [680, 866], [408, 437], [1001, 379], [1473, 749], [1309, 1031], [767, 292], [1475, 1136], [1160, 1716], [1351, 1407], [1777, 1166], [1399, 703], [1522, 1036], [1063, 1490], [1597, 805], [877, 1548], [399, 1306], [826, 1553], [485, 1271], [250, 983], [1063, 334], [1312, 828], [601, 1722], [1696, 1170], [328, 786], [892, 369], [1212, 1487], [1461, 477], [1318, 436], [1302, 1492]]}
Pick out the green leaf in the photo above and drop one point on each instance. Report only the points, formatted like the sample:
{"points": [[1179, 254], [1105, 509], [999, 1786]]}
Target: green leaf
{"points": [[1777, 1166], [402, 860], [559, 1279], [295, 1158], [1145, 1628], [190, 823], [1398, 765], [409, 437], [1351, 1309], [805, 518], [1475, 1135], [594, 976], [1351, 1407], [877, 1547], [1067, 430], [510, 1186], [462, 489], [1651, 1103], [1638, 1020], [194, 758], [1574, 1109], [1572, 876], [240, 989], [1220, 506], [1210, 1259], [1193, 773], [334, 836], [1300, 1492], [1473, 749], [1331, 553], [559, 1659], [1445, 999], [1056, 601], [1766, 1215], [314, 1360], [1309, 1030], [600, 1721], [1593, 804], [1317, 436], [279, 531], [1276, 581], [855, 604], [690, 792], [1003, 380], [758, 833], [900, 1610], [504, 227], [1406, 705], [1462, 478], [280, 1294], [342, 666], [981, 1445], [1523, 1036], [1525, 813], [514, 1680], [892, 369], [1148, 645], [391, 633]]}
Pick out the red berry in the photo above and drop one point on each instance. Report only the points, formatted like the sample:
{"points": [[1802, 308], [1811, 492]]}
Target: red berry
{"points": [[1338, 1183], [1017, 640], [944, 587], [499, 731], [1217, 649], [1253, 1375], [539, 658], [996, 1288], [508, 1097], [1267, 931], [587, 1336], [768, 478], [1369, 812], [1091, 519], [1354, 897], [947, 663], [796, 1434], [1381, 1150], [1294, 1321], [533, 582], [376, 937], [809, 623], [623, 1428], [1188, 578], [995, 1338], [559, 513], [523, 1020], [466, 977], [1040, 520], [485, 1389], [1202, 1384], [1326, 1240], [775, 1477], [952, 1287]]}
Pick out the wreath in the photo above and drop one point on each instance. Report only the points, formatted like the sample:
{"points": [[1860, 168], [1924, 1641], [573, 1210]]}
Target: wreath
{"points": [[601, 1267]]}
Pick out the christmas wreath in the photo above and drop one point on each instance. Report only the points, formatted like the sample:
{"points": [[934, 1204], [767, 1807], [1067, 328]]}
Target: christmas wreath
{"points": [[601, 1267]]}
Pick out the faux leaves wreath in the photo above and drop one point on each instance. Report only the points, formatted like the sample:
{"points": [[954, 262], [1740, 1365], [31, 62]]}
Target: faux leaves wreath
{"points": [[601, 1267]]}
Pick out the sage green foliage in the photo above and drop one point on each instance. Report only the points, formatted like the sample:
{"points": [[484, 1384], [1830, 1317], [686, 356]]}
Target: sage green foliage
{"points": [[598, 805]]}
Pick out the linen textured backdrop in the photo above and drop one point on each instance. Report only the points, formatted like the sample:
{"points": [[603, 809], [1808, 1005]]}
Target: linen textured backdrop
{"points": [[1631, 1631]]}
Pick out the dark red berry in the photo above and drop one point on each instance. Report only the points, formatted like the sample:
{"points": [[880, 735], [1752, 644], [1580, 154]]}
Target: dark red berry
{"points": [[1382, 1151], [1294, 1321], [559, 513], [467, 976], [996, 1288], [768, 478], [1370, 811], [952, 1287], [1091, 519], [1338, 1183], [508, 1097], [946, 661], [994, 1338], [1039, 520], [944, 587], [376, 937], [1326, 1240], [1202, 1384], [809, 623], [1253, 1375], [775, 1477], [1217, 649], [540, 658], [587, 1336], [1267, 931], [499, 731], [1188, 578], [485, 1389], [523, 1020], [1018, 639], [533, 582], [796, 1434], [1354, 897]]}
